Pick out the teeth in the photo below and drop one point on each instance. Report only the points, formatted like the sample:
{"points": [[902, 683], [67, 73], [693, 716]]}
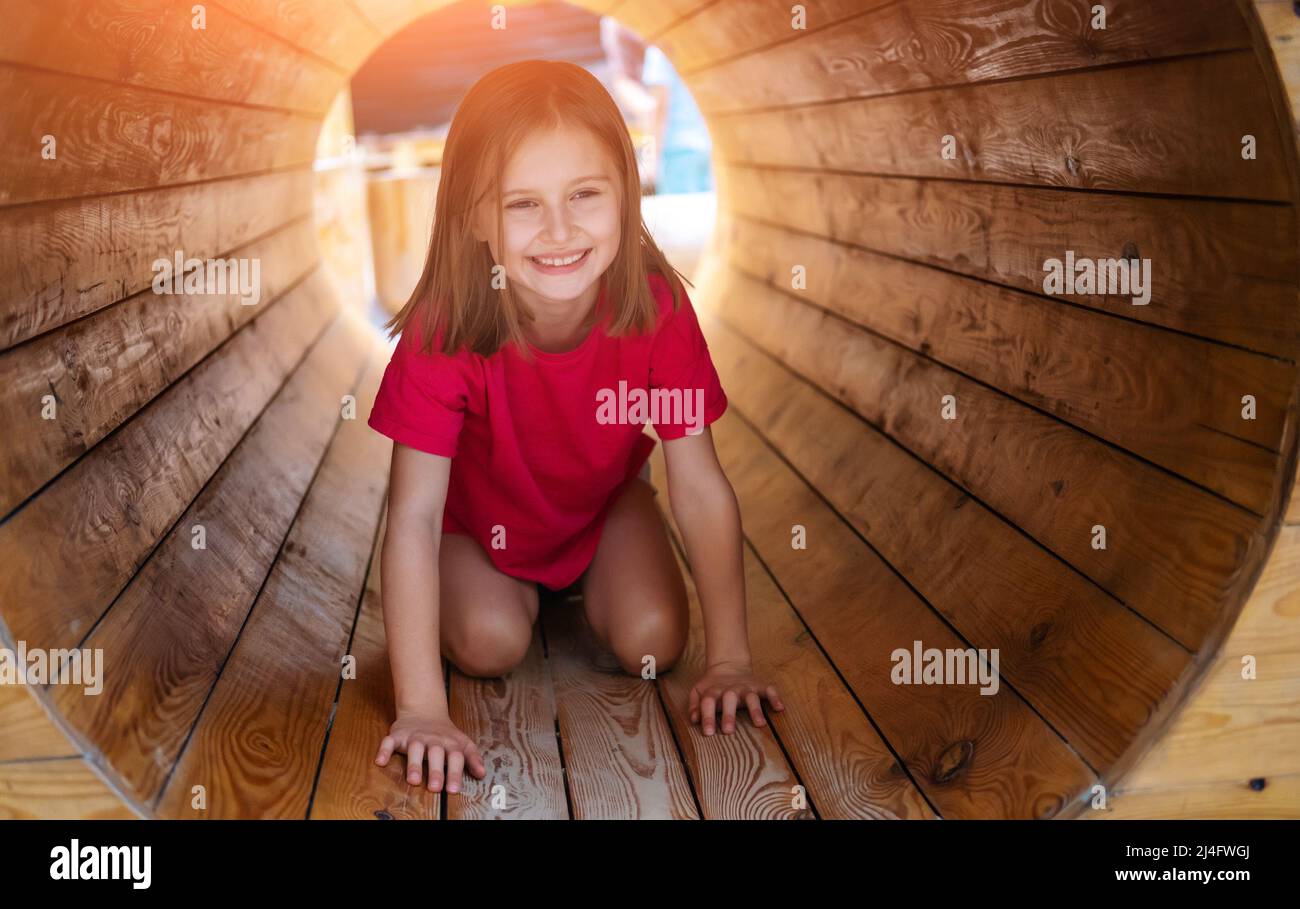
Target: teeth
{"points": [[557, 262]]}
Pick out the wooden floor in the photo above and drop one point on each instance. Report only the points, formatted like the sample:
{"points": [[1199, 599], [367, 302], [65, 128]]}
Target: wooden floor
{"points": [[230, 704]]}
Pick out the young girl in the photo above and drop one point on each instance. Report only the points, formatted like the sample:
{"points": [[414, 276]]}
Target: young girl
{"points": [[515, 403]]}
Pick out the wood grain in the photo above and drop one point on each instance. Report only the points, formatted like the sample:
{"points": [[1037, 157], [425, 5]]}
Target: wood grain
{"points": [[845, 766], [29, 732], [107, 512], [331, 29], [102, 369], [160, 666], [620, 759], [1179, 131], [742, 776], [257, 744], [58, 789], [1173, 553], [991, 583], [351, 785], [60, 261], [1222, 271], [113, 138], [961, 747], [1171, 399], [154, 44], [512, 721], [731, 54]]}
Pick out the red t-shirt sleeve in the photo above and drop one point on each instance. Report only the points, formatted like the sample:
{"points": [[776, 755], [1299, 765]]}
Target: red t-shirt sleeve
{"points": [[680, 360], [421, 399]]}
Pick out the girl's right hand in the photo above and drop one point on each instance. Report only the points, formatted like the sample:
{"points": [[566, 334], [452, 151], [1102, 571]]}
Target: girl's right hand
{"points": [[421, 734]]}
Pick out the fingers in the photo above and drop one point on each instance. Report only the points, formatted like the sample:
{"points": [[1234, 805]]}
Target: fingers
{"points": [[414, 761], [729, 701], [455, 765], [385, 750], [437, 756], [695, 705], [474, 759]]}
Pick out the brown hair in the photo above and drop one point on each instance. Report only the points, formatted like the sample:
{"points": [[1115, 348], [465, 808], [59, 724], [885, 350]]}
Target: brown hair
{"points": [[455, 292]]}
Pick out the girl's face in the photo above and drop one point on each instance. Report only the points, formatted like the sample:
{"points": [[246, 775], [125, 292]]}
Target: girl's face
{"points": [[561, 201]]}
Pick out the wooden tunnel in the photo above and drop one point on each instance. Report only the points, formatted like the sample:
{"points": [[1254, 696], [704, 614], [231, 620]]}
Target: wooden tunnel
{"points": [[892, 180]]}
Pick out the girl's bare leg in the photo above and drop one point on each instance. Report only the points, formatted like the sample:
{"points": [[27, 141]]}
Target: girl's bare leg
{"points": [[633, 591], [486, 617]]}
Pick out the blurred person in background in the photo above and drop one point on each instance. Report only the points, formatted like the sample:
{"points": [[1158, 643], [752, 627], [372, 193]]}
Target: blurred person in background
{"points": [[656, 102]]}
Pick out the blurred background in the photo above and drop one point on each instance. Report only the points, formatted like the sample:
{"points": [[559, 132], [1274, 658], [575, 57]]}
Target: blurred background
{"points": [[379, 155]]}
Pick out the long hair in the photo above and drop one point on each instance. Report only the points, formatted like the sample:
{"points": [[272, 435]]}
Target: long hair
{"points": [[455, 294]]}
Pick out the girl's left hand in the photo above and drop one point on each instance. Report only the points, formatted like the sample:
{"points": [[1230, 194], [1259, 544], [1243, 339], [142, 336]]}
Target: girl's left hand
{"points": [[728, 682]]}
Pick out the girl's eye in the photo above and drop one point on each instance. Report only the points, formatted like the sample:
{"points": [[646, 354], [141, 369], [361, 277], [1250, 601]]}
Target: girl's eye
{"points": [[579, 194]]}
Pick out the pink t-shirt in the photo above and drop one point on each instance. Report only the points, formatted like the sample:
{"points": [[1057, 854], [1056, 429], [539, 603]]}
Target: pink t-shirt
{"points": [[541, 450]]}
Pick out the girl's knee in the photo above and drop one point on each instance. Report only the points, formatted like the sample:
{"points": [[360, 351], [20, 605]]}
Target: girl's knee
{"points": [[654, 637], [489, 642]]}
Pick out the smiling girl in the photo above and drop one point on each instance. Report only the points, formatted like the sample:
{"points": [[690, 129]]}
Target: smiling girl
{"points": [[541, 293]]}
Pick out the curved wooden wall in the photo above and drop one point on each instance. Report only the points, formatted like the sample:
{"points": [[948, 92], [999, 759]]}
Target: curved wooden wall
{"points": [[923, 278]]}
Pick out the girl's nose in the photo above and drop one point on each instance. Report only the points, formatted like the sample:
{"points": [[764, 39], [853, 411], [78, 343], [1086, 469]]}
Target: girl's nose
{"points": [[559, 225]]}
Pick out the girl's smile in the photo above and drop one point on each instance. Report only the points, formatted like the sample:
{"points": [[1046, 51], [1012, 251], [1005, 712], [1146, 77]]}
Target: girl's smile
{"points": [[559, 213], [560, 264]]}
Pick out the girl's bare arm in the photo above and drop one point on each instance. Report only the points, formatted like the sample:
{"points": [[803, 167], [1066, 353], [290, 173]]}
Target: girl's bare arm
{"points": [[417, 493], [708, 516]]}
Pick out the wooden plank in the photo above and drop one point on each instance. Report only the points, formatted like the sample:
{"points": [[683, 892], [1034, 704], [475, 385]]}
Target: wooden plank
{"points": [[996, 587], [619, 756], [343, 232], [60, 261], [846, 767], [1173, 553], [58, 789], [331, 29], [960, 746], [112, 138], [741, 776], [29, 732], [1223, 271], [916, 44], [1060, 130], [649, 20], [1281, 27], [1172, 399], [258, 741], [155, 44], [719, 31], [352, 786], [512, 721], [160, 664], [102, 369], [400, 213], [389, 16], [109, 509], [1231, 729], [1229, 799], [1270, 620]]}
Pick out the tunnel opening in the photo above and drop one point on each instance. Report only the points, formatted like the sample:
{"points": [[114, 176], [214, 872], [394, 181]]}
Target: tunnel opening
{"points": [[942, 435]]}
